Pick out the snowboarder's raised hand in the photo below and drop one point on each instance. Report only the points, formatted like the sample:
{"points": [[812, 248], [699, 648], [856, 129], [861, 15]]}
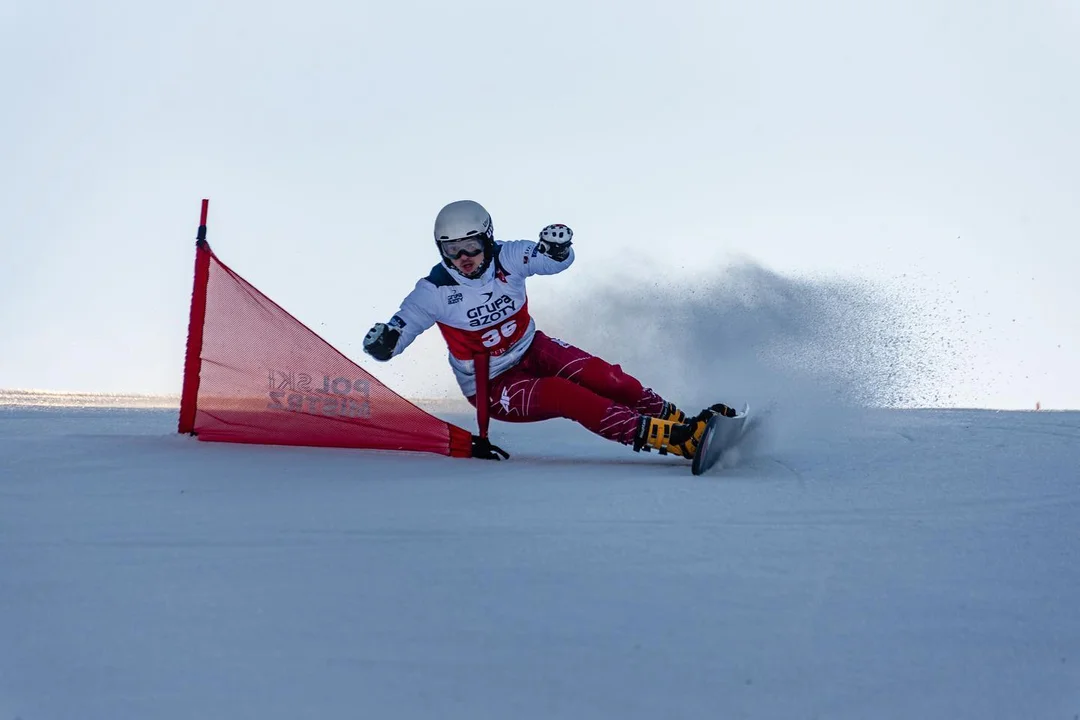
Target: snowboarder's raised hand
{"points": [[380, 341], [555, 242]]}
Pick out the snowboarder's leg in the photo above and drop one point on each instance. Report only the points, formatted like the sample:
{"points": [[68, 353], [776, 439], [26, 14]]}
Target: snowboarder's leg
{"points": [[552, 357], [516, 396]]}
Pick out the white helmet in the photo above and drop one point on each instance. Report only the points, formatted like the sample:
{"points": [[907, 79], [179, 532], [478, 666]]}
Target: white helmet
{"points": [[461, 220]]}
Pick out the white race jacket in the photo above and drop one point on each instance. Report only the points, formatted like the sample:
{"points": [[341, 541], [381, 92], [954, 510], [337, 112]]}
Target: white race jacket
{"points": [[489, 314]]}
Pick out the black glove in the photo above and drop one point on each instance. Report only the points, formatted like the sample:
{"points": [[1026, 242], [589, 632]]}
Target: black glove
{"points": [[380, 341], [483, 449], [555, 242]]}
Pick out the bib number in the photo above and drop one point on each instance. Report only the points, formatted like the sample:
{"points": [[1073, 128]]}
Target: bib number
{"points": [[494, 336]]}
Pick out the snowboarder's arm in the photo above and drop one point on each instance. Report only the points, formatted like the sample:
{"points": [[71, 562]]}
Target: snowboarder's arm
{"points": [[387, 340]]}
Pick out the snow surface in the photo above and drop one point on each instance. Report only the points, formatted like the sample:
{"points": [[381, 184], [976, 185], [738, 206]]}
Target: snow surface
{"points": [[864, 564]]}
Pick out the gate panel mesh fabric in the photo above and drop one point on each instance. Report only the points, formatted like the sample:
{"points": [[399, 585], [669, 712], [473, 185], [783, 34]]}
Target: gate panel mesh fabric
{"points": [[255, 374]]}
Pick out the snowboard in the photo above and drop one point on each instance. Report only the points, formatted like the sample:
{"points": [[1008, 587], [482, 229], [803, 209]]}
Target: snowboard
{"points": [[721, 434]]}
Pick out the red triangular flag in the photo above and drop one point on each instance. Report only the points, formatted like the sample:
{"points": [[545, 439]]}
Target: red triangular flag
{"points": [[256, 374]]}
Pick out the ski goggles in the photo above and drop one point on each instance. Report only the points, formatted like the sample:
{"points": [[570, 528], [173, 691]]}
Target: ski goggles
{"points": [[469, 247]]}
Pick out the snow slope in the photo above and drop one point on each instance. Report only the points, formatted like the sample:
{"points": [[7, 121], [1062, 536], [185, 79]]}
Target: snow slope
{"points": [[865, 564]]}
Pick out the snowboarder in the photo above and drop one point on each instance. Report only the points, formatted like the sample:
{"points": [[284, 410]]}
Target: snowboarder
{"points": [[476, 296]]}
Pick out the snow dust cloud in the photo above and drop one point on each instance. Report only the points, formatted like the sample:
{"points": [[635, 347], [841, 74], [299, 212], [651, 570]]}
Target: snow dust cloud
{"points": [[807, 346]]}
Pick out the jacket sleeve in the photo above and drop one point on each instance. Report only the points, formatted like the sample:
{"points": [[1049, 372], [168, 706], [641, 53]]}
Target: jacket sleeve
{"points": [[523, 256], [416, 314]]}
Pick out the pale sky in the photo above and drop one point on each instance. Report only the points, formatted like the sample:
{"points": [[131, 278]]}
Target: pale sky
{"points": [[923, 142]]}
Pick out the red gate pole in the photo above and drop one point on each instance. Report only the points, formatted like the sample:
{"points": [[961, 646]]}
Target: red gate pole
{"points": [[193, 358]]}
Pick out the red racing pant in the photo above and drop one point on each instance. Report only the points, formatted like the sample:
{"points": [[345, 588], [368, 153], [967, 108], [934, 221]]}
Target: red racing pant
{"points": [[557, 380]]}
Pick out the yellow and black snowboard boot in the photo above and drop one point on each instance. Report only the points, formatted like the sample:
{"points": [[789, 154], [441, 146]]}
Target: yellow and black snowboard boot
{"points": [[670, 412], [668, 436]]}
